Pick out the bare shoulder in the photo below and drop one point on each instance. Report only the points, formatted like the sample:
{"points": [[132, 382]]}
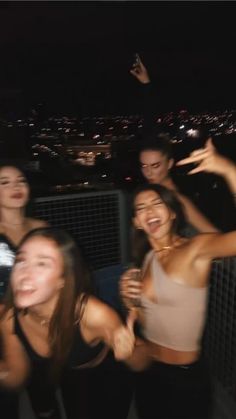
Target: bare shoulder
{"points": [[96, 313], [37, 223]]}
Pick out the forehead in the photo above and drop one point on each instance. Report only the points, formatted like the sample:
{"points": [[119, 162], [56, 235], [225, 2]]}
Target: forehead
{"points": [[40, 245], [152, 156], [10, 171], [145, 196]]}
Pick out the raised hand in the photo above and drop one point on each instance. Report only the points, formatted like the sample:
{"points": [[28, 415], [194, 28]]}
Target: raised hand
{"points": [[207, 160], [124, 338], [139, 71]]}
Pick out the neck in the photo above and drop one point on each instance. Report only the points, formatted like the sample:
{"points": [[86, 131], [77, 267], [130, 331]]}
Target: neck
{"points": [[168, 183], [167, 243], [13, 217], [41, 315]]}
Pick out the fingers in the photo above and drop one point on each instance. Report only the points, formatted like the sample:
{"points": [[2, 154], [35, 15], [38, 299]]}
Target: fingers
{"points": [[130, 289], [210, 145]]}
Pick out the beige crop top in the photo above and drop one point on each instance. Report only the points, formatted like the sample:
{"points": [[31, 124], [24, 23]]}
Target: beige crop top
{"points": [[178, 319]]}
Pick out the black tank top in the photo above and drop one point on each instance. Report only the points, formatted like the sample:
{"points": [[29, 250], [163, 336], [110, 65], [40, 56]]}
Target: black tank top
{"points": [[7, 257], [40, 386]]}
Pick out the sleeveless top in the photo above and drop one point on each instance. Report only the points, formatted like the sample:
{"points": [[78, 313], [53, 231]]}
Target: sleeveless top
{"points": [[7, 257], [177, 319], [40, 386]]}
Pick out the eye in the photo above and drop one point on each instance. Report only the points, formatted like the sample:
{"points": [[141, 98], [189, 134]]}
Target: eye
{"points": [[23, 180]]}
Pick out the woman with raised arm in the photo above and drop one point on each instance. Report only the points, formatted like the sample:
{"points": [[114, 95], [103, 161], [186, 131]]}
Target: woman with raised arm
{"points": [[173, 295], [156, 161], [156, 157], [51, 321]]}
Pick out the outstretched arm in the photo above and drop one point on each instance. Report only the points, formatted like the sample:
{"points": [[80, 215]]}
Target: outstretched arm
{"points": [[207, 159]]}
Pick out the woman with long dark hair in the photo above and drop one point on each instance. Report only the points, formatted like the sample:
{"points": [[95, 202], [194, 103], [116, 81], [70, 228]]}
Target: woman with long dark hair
{"points": [[173, 295], [51, 320]]}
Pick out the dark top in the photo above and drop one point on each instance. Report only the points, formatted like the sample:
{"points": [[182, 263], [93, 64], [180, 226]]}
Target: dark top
{"points": [[7, 257], [40, 386]]}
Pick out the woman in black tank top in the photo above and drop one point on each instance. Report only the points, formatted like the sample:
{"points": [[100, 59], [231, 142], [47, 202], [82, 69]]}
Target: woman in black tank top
{"points": [[51, 321]]}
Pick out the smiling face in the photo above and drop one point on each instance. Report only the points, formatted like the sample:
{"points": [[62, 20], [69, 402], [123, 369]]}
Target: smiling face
{"points": [[153, 216], [14, 189], [37, 275], [155, 166]]}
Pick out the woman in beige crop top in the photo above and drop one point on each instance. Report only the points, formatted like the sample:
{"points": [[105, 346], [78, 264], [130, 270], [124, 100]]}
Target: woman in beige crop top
{"points": [[172, 291]]}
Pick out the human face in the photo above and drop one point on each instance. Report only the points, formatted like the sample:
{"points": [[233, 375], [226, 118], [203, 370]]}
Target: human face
{"points": [[37, 275], [155, 166], [14, 189], [152, 215]]}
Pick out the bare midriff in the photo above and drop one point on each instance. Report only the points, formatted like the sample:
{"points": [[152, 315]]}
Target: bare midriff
{"points": [[171, 356]]}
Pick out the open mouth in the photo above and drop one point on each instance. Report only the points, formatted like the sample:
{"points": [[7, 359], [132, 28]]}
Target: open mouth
{"points": [[153, 224], [17, 196]]}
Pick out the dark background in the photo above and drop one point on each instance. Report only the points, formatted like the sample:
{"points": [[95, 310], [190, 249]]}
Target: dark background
{"points": [[75, 56]]}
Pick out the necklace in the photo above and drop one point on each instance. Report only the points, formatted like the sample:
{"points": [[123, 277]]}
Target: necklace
{"points": [[41, 320], [170, 247], [163, 248]]}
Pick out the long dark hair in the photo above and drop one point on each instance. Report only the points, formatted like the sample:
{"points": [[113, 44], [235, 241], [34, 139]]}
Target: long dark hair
{"points": [[76, 289], [139, 240]]}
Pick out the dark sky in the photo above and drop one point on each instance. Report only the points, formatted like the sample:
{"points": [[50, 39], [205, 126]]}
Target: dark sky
{"points": [[76, 55]]}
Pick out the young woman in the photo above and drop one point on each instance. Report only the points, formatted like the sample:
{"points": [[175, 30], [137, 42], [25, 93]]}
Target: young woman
{"points": [[156, 161], [14, 224], [50, 319], [173, 302]]}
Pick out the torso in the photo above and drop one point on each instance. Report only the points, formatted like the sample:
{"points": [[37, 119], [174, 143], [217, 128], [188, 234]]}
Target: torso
{"points": [[182, 268]]}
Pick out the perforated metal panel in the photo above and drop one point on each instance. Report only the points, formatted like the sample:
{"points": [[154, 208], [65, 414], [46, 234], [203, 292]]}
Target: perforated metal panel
{"points": [[220, 337], [96, 220]]}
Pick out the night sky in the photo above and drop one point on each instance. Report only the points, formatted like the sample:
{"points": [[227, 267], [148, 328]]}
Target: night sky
{"points": [[75, 56]]}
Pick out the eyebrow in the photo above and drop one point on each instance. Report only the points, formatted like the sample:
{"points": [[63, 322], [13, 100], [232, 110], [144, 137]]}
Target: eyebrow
{"points": [[152, 201], [151, 164], [40, 256], [8, 177]]}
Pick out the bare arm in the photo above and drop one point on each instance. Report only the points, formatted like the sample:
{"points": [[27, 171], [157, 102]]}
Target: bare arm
{"points": [[195, 217], [211, 246], [101, 323], [14, 365]]}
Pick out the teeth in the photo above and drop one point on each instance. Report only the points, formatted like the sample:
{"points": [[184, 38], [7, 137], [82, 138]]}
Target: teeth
{"points": [[25, 288], [154, 220]]}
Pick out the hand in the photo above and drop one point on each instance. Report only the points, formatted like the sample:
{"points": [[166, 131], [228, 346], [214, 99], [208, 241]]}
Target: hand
{"points": [[124, 338], [130, 288], [140, 72], [207, 160]]}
